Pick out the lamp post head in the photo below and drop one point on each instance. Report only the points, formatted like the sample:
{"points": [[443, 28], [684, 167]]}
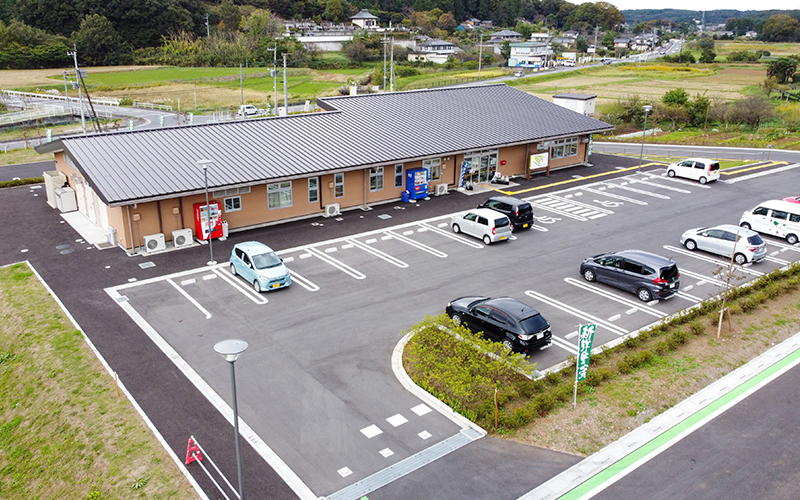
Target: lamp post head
{"points": [[204, 163], [647, 108], [230, 349]]}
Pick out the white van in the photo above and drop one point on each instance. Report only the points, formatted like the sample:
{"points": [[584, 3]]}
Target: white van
{"points": [[699, 169], [484, 223], [776, 217]]}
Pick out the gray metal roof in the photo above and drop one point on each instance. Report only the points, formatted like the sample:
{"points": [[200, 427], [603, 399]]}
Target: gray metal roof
{"points": [[577, 97], [354, 132]]}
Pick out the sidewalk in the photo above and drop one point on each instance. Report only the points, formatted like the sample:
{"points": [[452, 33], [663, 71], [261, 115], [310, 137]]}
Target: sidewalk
{"points": [[599, 471]]}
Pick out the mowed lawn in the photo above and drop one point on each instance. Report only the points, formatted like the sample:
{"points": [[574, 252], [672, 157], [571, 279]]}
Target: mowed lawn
{"points": [[64, 432]]}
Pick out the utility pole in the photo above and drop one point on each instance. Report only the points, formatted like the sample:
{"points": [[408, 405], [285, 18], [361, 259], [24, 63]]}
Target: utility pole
{"points": [[285, 89], [208, 30], [480, 55], [66, 91], [384, 61], [391, 69], [595, 42], [241, 83], [74, 55]]}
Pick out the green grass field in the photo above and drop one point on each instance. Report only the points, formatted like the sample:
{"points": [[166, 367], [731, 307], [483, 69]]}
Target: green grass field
{"points": [[64, 432]]}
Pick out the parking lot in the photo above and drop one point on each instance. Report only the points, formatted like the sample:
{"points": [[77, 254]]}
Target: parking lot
{"points": [[316, 389]]}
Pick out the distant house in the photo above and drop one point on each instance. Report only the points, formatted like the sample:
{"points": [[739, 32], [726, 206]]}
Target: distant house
{"points": [[580, 103], [644, 42], [565, 41], [437, 51], [751, 34], [571, 34], [529, 55], [539, 37], [622, 43], [511, 36], [365, 20]]}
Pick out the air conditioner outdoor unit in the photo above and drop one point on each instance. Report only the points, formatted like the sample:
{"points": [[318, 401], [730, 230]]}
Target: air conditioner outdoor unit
{"points": [[154, 243], [440, 189], [332, 210], [182, 238]]}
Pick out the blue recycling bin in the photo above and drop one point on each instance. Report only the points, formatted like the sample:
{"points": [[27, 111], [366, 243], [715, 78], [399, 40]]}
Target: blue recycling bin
{"points": [[405, 196]]}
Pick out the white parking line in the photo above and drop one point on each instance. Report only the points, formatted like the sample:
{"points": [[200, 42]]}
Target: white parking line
{"points": [[668, 188], [236, 283], [776, 260], [377, 253], [453, 236], [614, 297], [304, 282], [611, 185], [189, 298], [604, 192], [702, 278], [575, 312], [336, 263], [762, 173], [665, 177], [564, 345], [710, 259], [690, 298], [585, 205], [784, 246], [547, 208], [417, 244]]}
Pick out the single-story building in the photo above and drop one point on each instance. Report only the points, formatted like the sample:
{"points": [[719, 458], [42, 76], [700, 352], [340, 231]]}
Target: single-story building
{"points": [[364, 19], [353, 154]]}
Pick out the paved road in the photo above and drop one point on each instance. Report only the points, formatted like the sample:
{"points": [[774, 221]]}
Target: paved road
{"points": [[79, 278], [26, 170]]}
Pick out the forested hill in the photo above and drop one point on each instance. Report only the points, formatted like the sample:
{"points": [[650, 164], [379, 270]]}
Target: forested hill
{"points": [[711, 16]]}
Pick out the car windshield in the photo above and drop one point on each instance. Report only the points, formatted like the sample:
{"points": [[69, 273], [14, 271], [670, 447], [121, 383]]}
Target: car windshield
{"points": [[669, 273], [533, 323], [266, 260], [755, 240]]}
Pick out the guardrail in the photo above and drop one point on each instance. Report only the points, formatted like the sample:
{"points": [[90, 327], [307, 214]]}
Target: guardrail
{"points": [[148, 105], [33, 114], [33, 95]]}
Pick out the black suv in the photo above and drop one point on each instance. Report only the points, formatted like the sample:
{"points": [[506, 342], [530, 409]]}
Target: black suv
{"points": [[519, 212], [647, 275]]}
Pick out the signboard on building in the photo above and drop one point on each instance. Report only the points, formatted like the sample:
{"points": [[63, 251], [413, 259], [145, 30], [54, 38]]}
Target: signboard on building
{"points": [[539, 161]]}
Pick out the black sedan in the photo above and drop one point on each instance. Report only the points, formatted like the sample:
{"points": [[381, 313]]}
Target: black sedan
{"points": [[516, 325]]}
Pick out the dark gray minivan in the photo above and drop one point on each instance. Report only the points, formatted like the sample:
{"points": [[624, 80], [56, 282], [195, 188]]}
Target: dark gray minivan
{"points": [[648, 275], [519, 212]]}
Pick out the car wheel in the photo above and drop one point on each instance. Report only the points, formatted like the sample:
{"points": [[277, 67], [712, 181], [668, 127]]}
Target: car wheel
{"points": [[256, 286], [745, 225], [457, 319], [791, 239], [690, 245], [644, 295], [233, 270], [703, 180], [588, 275], [508, 345], [487, 240], [671, 173], [740, 259], [456, 229]]}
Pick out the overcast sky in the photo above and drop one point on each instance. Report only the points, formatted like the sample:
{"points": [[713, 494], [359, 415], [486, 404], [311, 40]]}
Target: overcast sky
{"points": [[707, 5]]}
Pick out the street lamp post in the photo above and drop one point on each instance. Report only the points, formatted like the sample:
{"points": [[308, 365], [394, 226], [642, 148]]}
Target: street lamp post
{"points": [[205, 164], [230, 350], [647, 109]]}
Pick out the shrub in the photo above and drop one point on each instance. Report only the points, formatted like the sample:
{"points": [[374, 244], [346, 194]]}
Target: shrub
{"points": [[697, 327]]}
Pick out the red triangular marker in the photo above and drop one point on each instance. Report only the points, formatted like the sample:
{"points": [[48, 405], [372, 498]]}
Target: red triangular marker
{"points": [[192, 452]]}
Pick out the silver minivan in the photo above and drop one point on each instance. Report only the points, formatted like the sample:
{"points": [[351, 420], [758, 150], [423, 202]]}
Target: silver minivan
{"points": [[483, 223]]}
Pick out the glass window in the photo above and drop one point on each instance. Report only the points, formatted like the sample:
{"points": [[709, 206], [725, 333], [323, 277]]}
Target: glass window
{"points": [[633, 267], [398, 175], [715, 233], [794, 217], [233, 204], [376, 179], [564, 147], [279, 195], [338, 185], [483, 221], [313, 189], [760, 211], [779, 214], [471, 217], [434, 168]]}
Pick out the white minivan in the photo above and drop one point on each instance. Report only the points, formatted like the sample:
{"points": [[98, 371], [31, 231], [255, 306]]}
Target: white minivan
{"points": [[776, 217], [483, 223], [698, 169]]}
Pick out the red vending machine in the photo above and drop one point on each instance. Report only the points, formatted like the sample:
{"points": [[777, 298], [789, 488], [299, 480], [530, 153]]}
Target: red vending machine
{"points": [[201, 224]]}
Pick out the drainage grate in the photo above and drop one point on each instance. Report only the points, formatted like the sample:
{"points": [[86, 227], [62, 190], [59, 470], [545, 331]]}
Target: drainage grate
{"points": [[148, 264]]}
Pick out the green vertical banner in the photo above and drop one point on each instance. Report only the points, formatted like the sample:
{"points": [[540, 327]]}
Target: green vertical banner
{"points": [[591, 145], [49, 135], [585, 339]]}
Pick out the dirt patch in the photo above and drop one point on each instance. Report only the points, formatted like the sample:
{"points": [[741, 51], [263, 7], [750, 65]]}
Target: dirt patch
{"points": [[29, 77], [187, 94], [608, 412]]}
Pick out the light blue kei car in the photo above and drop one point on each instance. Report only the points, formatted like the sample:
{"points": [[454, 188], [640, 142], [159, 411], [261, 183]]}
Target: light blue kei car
{"points": [[259, 265]]}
